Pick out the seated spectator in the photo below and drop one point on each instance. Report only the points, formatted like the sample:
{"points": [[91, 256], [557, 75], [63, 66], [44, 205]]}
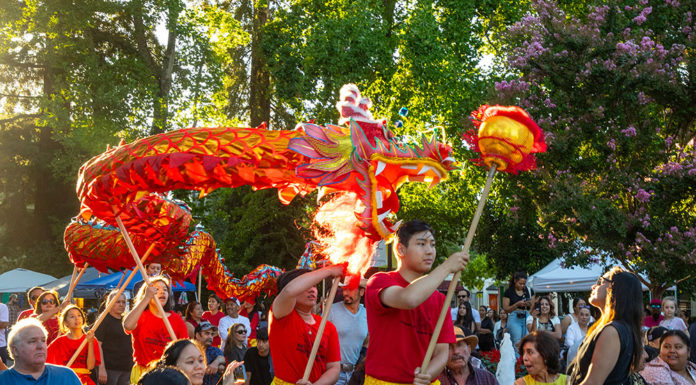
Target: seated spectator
{"points": [[459, 370], [652, 338], [234, 344], [655, 316], [671, 321], [193, 315], [500, 327], [61, 350], [168, 375], [485, 332], [672, 366], [27, 343], [540, 354], [257, 361]]}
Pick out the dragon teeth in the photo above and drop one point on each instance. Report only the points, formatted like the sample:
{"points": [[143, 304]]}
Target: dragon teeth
{"points": [[378, 198], [380, 167]]}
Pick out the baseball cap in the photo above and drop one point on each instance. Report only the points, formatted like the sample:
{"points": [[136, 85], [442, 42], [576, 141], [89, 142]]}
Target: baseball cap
{"points": [[470, 339], [204, 325], [235, 300]]}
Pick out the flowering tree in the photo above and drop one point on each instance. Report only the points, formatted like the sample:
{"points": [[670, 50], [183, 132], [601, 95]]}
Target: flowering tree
{"points": [[613, 86]]}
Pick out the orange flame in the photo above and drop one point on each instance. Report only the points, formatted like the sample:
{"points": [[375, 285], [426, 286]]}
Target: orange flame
{"points": [[340, 238]]}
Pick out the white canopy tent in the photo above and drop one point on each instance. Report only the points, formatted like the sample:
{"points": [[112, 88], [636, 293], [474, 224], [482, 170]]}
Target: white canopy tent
{"points": [[556, 277], [20, 280]]}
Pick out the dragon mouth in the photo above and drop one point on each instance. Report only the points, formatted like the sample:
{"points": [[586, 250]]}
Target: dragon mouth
{"points": [[387, 174]]}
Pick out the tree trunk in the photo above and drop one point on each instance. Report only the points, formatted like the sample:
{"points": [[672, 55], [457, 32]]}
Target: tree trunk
{"points": [[259, 84]]}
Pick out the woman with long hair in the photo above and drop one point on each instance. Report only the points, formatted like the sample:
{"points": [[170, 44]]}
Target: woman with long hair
{"points": [[193, 316], [612, 347], [235, 349], [485, 332], [465, 319], [61, 350], [46, 310], [516, 302], [144, 323]]}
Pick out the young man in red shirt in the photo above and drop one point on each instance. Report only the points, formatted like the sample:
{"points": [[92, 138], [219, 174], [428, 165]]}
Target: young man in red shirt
{"points": [[293, 327], [402, 309]]}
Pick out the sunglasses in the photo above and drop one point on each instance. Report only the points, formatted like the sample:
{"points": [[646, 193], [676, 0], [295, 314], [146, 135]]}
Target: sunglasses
{"points": [[34, 297], [462, 296], [240, 331], [656, 306], [47, 301], [601, 280]]}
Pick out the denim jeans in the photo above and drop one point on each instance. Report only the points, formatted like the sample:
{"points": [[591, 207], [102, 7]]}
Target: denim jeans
{"points": [[343, 377], [517, 325]]}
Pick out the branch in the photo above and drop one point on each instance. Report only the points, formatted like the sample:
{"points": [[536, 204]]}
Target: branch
{"points": [[19, 117], [20, 96]]}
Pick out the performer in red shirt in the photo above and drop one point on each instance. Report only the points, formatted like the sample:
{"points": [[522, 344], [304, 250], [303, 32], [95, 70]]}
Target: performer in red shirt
{"points": [[402, 309], [146, 327], [72, 320], [293, 328], [214, 315], [32, 295]]}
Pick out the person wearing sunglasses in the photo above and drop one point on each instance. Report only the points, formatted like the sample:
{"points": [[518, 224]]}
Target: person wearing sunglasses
{"points": [[655, 316], [572, 318], [613, 346], [235, 346], [32, 295], [47, 309]]}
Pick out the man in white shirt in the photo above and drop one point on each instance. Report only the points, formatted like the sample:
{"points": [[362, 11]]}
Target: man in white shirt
{"points": [[232, 309]]}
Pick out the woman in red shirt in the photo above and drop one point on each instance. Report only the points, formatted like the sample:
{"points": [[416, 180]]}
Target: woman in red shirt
{"points": [[214, 315], [146, 327], [46, 311], [72, 321]]}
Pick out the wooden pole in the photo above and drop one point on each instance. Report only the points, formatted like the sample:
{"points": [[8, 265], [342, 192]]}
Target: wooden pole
{"points": [[72, 279], [453, 284], [143, 272], [320, 331], [73, 283], [200, 282], [108, 307], [124, 276]]}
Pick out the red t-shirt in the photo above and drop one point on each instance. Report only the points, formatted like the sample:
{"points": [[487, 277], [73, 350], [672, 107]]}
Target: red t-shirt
{"points": [[293, 338], [61, 350], [649, 322], [399, 338], [51, 326], [25, 314], [150, 336], [215, 320]]}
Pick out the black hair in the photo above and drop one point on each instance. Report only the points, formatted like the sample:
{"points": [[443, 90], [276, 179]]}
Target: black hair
{"points": [[676, 333], [548, 349], [173, 351], [468, 293], [468, 320], [408, 229], [624, 302], [262, 334], [576, 300], [170, 375], [516, 276], [288, 276], [216, 298]]}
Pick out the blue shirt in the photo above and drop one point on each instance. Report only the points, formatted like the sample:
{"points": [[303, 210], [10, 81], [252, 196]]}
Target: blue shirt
{"points": [[211, 353], [52, 375], [352, 331]]}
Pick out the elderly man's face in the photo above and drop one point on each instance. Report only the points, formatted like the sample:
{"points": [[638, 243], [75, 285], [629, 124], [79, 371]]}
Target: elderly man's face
{"points": [[459, 354], [30, 349]]}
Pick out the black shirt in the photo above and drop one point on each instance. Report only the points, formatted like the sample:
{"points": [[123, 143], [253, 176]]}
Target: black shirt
{"points": [[577, 370], [116, 344], [259, 367], [514, 298]]}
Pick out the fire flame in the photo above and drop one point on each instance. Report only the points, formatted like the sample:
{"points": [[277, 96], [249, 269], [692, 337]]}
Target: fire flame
{"points": [[340, 239]]}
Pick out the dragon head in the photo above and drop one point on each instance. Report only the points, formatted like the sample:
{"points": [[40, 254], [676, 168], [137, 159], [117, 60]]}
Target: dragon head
{"points": [[364, 157]]}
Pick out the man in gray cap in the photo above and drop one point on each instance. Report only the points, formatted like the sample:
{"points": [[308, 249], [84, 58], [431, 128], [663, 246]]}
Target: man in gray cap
{"points": [[204, 333]]}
